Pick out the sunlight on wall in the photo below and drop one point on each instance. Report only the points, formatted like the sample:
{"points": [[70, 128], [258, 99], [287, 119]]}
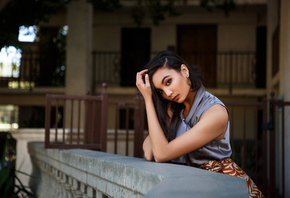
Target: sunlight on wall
{"points": [[10, 57], [27, 34], [8, 117], [10, 62]]}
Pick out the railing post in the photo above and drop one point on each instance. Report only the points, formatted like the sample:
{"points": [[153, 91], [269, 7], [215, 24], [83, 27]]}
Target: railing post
{"points": [[93, 87], [47, 120], [104, 118], [272, 147], [231, 74], [138, 125], [264, 143], [282, 106]]}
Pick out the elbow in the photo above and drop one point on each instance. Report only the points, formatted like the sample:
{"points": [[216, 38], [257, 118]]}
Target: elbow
{"points": [[160, 158], [148, 156], [157, 160]]}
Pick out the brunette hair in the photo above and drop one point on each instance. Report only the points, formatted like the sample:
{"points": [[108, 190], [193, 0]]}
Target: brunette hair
{"points": [[170, 60]]}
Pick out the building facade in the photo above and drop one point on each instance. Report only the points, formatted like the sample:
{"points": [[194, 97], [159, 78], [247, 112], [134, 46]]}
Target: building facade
{"points": [[242, 56]]}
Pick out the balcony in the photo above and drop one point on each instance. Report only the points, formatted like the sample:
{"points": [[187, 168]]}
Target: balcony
{"points": [[234, 71]]}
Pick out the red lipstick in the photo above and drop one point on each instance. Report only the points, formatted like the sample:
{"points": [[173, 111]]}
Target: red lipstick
{"points": [[175, 98]]}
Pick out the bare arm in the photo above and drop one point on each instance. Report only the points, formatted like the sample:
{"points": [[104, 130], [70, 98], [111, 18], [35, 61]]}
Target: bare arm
{"points": [[148, 154], [212, 125]]}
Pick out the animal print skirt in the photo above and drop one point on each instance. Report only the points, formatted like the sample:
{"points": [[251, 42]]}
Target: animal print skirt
{"points": [[229, 167]]}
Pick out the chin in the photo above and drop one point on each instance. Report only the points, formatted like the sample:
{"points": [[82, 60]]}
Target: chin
{"points": [[179, 101]]}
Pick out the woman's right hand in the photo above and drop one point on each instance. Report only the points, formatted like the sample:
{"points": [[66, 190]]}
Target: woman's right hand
{"points": [[144, 87]]}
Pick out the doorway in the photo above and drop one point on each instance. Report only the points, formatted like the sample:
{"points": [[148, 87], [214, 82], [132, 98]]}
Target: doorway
{"points": [[135, 53], [261, 51], [197, 45]]}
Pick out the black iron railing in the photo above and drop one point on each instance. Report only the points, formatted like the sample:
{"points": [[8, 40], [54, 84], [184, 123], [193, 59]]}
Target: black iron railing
{"points": [[34, 70], [233, 69]]}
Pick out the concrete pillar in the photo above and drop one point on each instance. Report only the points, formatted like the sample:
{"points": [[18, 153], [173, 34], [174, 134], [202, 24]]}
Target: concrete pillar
{"points": [[284, 81], [78, 54], [23, 161], [79, 47]]}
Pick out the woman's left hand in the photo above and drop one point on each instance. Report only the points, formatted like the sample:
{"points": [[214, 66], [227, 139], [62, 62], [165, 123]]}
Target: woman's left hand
{"points": [[144, 87]]}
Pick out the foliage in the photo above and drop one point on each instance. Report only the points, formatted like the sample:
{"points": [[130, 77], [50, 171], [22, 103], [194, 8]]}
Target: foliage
{"points": [[58, 76], [24, 12], [156, 9], [8, 188], [225, 5], [31, 12], [106, 5]]}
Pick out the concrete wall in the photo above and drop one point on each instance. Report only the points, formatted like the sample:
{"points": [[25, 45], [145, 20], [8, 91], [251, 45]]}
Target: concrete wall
{"points": [[23, 136], [85, 173], [236, 32]]}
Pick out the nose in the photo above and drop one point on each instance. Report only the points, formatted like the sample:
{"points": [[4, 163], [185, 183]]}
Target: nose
{"points": [[168, 92]]}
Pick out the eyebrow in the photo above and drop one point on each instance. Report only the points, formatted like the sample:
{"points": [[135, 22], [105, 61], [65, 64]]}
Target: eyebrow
{"points": [[164, 79]]}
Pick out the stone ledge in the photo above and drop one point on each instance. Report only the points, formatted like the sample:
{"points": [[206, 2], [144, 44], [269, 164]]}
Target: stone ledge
{"points": [[121, 176]]}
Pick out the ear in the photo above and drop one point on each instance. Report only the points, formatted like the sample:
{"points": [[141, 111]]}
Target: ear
{"points": [[184, 70]]}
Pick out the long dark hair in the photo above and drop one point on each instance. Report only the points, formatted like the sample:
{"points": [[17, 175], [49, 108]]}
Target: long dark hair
{"points": [[170, 60]]}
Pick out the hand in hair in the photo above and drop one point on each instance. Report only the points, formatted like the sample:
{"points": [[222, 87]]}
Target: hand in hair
{"points": [[144, 85]]}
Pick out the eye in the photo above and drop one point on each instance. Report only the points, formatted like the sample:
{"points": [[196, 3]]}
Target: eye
{"points": [[168, 82], [160, 91]]}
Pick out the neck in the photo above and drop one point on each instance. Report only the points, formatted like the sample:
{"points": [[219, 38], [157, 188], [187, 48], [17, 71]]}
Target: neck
{"points": [[188, 103]]}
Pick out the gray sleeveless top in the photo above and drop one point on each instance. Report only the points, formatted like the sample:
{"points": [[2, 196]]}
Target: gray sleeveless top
{"points": [[214, 150]]}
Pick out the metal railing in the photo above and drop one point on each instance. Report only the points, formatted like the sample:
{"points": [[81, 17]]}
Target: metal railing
{"points": [[24, 75], [248, 138], [29, 73], [138, 125], [106, 68], [236, 69], [276, 126], [233, 69], [90, 111]]}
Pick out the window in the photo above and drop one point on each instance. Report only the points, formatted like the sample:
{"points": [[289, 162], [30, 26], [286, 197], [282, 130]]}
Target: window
{"points": [[27, 34], [10, 62], [8, 117]]}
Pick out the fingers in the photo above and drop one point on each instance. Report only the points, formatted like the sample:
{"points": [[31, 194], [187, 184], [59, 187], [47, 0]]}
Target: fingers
{"points": [[139, 77], [143, 84], [147, 79], [143, 71]]}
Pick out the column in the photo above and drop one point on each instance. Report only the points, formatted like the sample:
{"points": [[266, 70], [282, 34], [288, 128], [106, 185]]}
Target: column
{"points": [[284, 81], [78, 54], [79, 47]]}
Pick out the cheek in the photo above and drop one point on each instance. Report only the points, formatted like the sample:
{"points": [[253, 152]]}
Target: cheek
{"points": [[165, 96], [180, 83]]}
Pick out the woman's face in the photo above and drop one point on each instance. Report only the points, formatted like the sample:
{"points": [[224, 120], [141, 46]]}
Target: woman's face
{"points": [[172, 84]]}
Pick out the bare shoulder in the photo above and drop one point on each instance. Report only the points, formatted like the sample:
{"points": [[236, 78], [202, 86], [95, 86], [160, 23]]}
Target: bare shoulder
{"points": [[216, 118], [216, 112]]}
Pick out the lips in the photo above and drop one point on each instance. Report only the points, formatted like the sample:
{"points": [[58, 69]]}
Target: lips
{"points": [[175, 98]]}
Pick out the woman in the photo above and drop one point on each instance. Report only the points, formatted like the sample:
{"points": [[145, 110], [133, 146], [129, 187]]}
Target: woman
{"points": [[186, 124]]}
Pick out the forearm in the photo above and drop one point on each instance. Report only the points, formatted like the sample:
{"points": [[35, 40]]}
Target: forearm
{"points": [[158, 140], [147, 148]]}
